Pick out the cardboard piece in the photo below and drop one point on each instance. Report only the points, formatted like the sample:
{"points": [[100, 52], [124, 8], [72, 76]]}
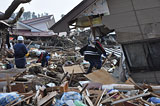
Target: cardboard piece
{"points": [[77, 69], [101, 76]]}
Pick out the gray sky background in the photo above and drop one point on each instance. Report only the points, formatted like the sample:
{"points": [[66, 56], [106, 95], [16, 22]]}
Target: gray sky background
{"points": [[54, 7]]}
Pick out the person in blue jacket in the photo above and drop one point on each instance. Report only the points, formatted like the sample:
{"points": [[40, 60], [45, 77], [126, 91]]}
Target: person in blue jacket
{"points": [[20, 51], [92, 53]]}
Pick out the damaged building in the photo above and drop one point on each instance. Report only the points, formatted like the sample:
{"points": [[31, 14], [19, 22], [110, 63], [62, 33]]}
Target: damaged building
{"points": [[55, 72], [136, 24]]}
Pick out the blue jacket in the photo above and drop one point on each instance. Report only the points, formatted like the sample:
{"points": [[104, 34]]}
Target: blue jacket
{"points": [[20, 51]]}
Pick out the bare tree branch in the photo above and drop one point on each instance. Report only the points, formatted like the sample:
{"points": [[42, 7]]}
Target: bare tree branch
{"points": [[17, 17], [12, 8]]}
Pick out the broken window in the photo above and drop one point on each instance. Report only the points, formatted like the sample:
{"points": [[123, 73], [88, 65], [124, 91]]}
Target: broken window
{"points": [[143, 56]]}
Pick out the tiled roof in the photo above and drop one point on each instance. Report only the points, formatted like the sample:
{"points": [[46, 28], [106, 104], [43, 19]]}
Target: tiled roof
{"points": [[37, 19], [32, 34]]}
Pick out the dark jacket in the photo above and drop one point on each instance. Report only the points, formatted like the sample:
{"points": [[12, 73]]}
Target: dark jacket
{"points": [[91, 51], [20, 51], [42, 57]]}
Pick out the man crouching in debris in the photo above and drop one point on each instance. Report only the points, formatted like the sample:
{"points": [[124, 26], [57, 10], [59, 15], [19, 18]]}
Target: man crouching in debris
{"points": [[20, 51], [92, 53], [43, 58]]}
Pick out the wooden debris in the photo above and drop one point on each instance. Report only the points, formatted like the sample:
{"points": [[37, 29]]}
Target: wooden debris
{"points": [[71, 77], [64, 87], [86, 97], [18, 87], [100, 98], [101, 76], [65, 75], [25, 99], [46, 99], [77, 69], [46, 76], [84, 88], [130, 98]]}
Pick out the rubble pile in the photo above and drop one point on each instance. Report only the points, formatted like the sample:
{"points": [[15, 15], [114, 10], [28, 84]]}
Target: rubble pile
{"points": [[64, 82]]}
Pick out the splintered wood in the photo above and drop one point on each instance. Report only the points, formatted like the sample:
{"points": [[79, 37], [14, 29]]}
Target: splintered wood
{"points": [[101, 76], [77, 69]]}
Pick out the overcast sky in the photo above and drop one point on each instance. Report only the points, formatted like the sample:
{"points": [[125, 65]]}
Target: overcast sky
{"points": [[54, 7]]}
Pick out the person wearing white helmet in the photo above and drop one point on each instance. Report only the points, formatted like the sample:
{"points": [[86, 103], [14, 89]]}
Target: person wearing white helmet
{"points": [[20, 51], [43, 58]]}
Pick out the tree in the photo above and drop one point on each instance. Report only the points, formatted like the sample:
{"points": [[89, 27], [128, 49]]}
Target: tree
{"points": [[34, 15], [27, 15], [39, 15], [45, 14], [12, 8], [42, 15], [62, 15], [4, 28]]}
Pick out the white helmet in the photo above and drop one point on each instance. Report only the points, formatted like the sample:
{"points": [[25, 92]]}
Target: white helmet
{"points": [[38, 53], [20, 38], [97, 38]]}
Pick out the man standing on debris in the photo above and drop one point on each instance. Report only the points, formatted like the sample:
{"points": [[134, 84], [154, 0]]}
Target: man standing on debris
{"points": [[20, 51], [43, 57], [92, 53]]}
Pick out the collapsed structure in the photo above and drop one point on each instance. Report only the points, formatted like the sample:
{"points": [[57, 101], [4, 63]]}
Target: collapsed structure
{"points": [[63, 82], [136, 25]]}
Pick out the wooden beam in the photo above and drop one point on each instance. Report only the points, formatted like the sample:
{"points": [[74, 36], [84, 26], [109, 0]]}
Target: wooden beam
{"points": [[108, 99], [46, 98], [84, 88], [64, 87], [65, 75], [86, 97], [23, 100], [71, 77], [130, 98], [46, 76], [101, 97], [4, 79]]}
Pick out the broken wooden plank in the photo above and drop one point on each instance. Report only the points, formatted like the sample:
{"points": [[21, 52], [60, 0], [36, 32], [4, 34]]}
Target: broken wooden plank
{"points": [[20, 88], [77, 69], [86, 97], [101, 97], [130, 98], [84, 88], [139, 87], [64, 87], [4, 79], [46, 98], [14, 70], [106, 59], [144, 101], [108, 99], [101, 76], [71, 77], [23, 100], [46, 76], [65, 75], [8, 83]]}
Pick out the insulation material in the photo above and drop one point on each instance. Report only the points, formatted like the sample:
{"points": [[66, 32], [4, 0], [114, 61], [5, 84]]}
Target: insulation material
{"points": [[99, 7], [85, 22]]}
